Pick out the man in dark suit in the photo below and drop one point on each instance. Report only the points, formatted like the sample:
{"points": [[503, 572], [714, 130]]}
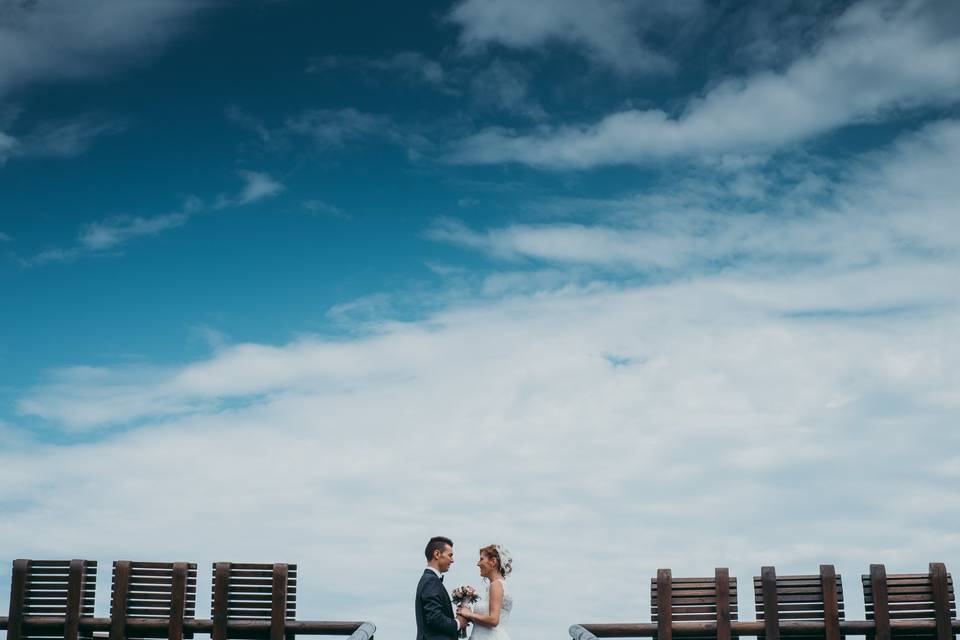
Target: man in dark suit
{"points": [[435, 616]]}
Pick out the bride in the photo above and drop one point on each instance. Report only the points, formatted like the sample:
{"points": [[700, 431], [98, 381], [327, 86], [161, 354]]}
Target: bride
{"points": [[492, 613]]}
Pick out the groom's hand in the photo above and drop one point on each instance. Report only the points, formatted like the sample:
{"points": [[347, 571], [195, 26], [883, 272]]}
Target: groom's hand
{"points": [[462, 622]]}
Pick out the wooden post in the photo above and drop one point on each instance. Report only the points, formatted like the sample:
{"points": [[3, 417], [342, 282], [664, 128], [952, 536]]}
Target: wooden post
{"points": [[121, 593], [18, 595], [771, 617], [221, 585], [941, 600], [71, 623], [664, 604], [278, 613], [831, 607], [178, 600], [881, 603], [722, 584]]}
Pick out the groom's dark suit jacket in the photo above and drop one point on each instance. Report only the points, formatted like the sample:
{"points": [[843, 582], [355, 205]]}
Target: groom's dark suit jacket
{"points": [[435, 619]]}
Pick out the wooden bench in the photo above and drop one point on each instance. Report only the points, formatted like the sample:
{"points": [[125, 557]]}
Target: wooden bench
{"points": [[693, 600], [245, 591], [152, 590], [51, 588], [811, 597], [910, 596]]}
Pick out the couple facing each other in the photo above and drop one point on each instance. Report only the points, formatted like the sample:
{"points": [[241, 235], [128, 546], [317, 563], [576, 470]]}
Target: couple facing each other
{"points": [[436, 618]]}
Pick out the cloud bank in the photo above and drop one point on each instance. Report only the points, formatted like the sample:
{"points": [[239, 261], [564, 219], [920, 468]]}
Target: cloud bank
{"points": [[60, 39], [609, 32], [879, 58]]}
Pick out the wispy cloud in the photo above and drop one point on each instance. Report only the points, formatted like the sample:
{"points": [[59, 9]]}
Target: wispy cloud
{"points": [[610, 32], [258, 186], [888, 206], [59, 138], [505, 87], [409, 66], [879, 57], [109, 236], [329, 129], [319, 207], [238, 116]]}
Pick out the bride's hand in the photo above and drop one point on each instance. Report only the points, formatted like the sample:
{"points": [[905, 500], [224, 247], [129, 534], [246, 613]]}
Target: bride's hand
{"points": [[466, 612]]}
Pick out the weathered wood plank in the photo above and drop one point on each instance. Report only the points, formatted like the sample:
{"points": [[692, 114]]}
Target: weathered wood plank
{"points": [[771, 618], [664, 604]]}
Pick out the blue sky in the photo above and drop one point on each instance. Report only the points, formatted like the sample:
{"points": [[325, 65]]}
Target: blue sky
{"points": [[617, 284]]}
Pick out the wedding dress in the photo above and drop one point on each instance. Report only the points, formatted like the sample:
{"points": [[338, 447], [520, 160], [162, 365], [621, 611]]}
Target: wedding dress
{"points": [[499, 632]]}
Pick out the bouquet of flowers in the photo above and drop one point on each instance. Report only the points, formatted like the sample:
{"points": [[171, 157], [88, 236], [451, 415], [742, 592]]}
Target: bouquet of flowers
{"points": [[464, 597]]}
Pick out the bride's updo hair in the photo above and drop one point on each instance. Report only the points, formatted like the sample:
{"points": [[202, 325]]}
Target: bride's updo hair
{"points": [[505, 565]]}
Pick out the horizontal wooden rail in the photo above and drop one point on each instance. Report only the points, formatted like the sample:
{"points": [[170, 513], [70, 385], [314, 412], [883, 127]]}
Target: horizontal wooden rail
{"points": [[305, 627], [746, 628]]}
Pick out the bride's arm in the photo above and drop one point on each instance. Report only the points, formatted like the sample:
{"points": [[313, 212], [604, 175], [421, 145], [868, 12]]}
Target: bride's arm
{"points": [[496, 600]]}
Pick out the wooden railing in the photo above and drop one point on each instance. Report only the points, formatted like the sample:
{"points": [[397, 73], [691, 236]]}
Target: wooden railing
{"points": [[54, 598], [908, 606]]}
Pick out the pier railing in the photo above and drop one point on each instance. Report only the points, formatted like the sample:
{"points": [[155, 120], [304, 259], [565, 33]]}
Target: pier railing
{"points": [[911, 606], [52, 599]]}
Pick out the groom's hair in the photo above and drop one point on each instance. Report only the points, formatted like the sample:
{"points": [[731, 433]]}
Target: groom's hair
{"points": [[437, 543]]}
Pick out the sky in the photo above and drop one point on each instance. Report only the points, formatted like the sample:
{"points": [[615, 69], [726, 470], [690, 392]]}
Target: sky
{"points": [[617, 284]]}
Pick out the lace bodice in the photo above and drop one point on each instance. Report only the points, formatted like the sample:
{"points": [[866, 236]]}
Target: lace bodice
{"points": [[483, 606]]}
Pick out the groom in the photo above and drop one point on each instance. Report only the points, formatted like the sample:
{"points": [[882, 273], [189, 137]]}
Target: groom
{"points": [[435, 617]]}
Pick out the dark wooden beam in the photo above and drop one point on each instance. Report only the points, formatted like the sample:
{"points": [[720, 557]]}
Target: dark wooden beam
{"points": [[664, 604], [278, 613], [121, 594], [771, 616], [941, 600], [881, 602], [71, 628], [831, 609], [18, 594], [722, 582], [221, 583]]}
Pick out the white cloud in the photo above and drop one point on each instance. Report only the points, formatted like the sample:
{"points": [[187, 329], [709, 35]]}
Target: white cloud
{"points": [[877, 59], [319, 207], [332, 128], [895, 205], [505, 86], [58, 39], [103, 236], [551, 416], [100, 236], [8, 145], [258, 186], [608, 31], [111, 234], [58, 138], [507, 422], [5, 237], [239, 116]]}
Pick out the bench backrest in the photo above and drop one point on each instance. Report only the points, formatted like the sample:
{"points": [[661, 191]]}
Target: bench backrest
{"points": [[52, 588], [910, 596], [249, 591], [153, 590], [810, 597], [693, 600]]}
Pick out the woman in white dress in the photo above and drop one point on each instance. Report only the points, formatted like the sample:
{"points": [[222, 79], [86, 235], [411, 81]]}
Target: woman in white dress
{"points": [[492, 613]]}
